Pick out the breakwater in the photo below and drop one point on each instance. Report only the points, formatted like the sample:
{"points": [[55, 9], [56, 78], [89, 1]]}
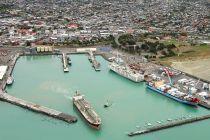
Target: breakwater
{"points": [[37, 108], [169, 125]]}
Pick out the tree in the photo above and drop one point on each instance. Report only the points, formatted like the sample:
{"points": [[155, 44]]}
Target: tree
{"points": [[28, 43], [127, 39]]}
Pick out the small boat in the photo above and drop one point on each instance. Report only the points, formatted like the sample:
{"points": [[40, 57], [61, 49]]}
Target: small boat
{"points": [[169, 119], [149, 124], [107, 104], [10, 80], [90, 59], [159, 122], [69, 60]]}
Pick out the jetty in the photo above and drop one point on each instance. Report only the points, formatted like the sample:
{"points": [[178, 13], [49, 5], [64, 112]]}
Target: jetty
{"points": [[95, 63], [65, 63], [169, 125], [204, 103], [9, 70], [37, 108]]}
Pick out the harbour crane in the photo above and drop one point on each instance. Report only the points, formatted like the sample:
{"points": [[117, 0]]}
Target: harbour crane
{"points": [[169, 74]]}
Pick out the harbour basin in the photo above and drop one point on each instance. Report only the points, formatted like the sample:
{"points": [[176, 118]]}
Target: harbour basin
{"points": [[40, 79]]}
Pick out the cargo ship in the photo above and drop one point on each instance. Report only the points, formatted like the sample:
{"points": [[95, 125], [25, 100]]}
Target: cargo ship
{"points": [[126, 72], [86, 110], [172, 92]]}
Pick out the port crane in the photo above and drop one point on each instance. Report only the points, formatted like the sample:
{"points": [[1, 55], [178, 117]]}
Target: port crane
{"points": [[169, 74]]}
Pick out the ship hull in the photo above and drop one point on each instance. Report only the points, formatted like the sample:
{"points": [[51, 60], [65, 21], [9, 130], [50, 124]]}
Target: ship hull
{"points": [[95, 126], [137, 80], [170, 96]]}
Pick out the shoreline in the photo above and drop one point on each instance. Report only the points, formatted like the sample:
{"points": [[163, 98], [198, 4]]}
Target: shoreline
{"points": [[15, 58], [4, 96]]}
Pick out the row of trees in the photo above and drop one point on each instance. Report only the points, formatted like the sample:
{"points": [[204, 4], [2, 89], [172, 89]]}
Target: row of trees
{"points": [[127, 39], [128, 43]]}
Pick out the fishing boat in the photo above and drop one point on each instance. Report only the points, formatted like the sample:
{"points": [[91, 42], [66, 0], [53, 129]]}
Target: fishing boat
{"points": [[10, 80], [69, 60]]}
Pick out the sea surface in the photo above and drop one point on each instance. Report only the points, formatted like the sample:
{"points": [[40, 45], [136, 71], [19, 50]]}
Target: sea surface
{"points": [[40, 79]]}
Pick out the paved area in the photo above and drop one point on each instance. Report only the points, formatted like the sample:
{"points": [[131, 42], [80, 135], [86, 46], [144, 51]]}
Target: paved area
{"points": [[199, 68]]}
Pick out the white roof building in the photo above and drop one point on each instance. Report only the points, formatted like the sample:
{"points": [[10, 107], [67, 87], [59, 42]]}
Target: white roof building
{"points": [[3, 70]]}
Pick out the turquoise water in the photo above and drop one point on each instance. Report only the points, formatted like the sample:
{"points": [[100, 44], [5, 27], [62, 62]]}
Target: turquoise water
{"points": [[40, 79]]}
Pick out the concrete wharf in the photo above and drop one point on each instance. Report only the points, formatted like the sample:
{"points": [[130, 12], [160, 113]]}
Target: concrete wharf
{"points": [[169, 125], [37, 108], [92, 59], [65, 63], [204, 103], [9, 70]]}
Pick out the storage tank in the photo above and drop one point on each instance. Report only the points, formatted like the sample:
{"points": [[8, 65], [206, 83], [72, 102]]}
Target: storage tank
{"points": [[46, 49], [42, 49], [50, 49], [38, 49]]}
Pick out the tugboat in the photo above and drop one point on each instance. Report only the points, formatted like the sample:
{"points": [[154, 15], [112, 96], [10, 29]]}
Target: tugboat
{"points": [[10, 80], [86, 110], [107, 104]]}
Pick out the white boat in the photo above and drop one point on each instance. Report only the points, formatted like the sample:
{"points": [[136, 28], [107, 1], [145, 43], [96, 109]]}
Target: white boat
{"points": [[10, 80], [126, 72]]}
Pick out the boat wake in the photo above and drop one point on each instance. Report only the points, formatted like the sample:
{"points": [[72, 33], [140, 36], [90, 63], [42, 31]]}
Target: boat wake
{"points": [[68, 97]]}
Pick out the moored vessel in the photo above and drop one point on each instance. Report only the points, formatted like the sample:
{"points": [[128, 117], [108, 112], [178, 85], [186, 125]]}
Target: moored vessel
{"points": [[126, 72], [10, 80], [69, 60], [172, 92], [86, 110], [96, 65]]}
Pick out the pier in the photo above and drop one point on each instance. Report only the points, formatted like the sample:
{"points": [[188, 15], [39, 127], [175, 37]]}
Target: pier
{"points": [[204, 103], [92, 59], [169, 125], [65, 63], [9, 70], [37, 108]]}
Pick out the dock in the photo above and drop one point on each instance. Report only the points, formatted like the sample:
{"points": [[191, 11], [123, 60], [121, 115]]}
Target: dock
{"points": [[37, 108], [65, 63], [205, 103], [169, 125], [95, 63], [9, 70]]}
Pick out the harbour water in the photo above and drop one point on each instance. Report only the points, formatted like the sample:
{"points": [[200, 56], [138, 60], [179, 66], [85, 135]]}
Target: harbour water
{"points": [[41, 79]]}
